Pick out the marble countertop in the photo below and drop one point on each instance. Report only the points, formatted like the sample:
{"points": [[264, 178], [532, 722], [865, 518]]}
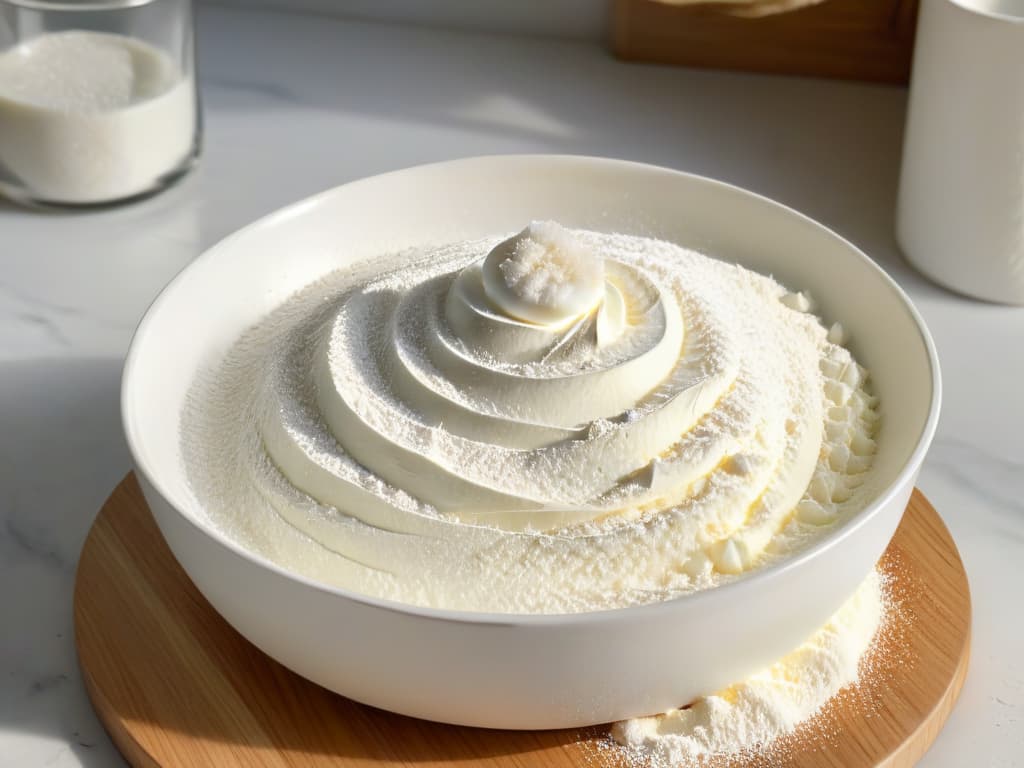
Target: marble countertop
{"points": [[295, 104]]}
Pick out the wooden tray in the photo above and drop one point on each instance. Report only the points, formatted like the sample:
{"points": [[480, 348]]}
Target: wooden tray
{"points": [[176, 686], [858, 39]]}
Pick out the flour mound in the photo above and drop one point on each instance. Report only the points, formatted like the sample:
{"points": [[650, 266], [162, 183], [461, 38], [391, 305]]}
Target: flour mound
{"points": [[750, 715]]}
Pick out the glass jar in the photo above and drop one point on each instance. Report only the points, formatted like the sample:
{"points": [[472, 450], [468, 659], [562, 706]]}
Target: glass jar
{"points": [[98, 98]]}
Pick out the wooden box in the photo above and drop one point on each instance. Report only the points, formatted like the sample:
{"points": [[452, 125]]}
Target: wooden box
{"points": [[856, 39]]}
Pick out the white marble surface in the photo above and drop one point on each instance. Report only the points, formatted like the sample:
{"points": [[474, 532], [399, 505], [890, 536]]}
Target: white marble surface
{"points": [[575, 19], [295, 104]]}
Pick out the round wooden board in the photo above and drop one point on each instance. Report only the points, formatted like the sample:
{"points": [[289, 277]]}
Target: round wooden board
{"points": [[176, 686]]}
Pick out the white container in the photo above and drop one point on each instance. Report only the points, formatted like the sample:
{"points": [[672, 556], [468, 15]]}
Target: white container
{"points": [[521, 671], [960, 216]]}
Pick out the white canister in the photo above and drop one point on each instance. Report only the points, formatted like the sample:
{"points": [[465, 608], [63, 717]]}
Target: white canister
{"points": [[960, 216]]}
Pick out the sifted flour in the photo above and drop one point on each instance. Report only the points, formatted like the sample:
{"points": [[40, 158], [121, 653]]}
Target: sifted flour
{"points": [[392, 431]]}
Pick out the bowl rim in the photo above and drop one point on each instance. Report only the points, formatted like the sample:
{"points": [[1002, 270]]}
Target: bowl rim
{"points": [[648, 610]]}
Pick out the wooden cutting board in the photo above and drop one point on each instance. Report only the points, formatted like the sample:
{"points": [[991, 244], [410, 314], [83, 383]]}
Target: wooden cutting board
{"points": [[176, 686]]}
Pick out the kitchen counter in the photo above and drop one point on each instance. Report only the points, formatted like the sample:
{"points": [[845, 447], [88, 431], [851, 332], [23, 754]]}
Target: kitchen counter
{"points": [[298, 103]]}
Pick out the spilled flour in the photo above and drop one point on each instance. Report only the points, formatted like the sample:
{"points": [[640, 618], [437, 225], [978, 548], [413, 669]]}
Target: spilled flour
{"points": [[748, 716]]}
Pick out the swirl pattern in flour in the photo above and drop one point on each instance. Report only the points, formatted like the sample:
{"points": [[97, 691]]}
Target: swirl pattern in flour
{"points": [[557, 421]]}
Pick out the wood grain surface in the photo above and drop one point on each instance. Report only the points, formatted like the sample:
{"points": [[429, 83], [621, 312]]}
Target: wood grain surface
{"points": [[176, 686], [856, 39]]}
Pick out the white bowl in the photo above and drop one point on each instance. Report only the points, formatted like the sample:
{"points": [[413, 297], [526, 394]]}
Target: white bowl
{"points": [[523, 671]]}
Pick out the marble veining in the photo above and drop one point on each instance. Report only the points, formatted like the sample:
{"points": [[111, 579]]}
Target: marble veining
{"points": [[1003, 485], [32, 543], [271, 91], [297, 103]]}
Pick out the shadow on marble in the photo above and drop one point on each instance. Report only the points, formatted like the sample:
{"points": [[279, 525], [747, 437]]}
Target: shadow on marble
{"points": [[14, 207], [61, 455], [68, 457]]}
